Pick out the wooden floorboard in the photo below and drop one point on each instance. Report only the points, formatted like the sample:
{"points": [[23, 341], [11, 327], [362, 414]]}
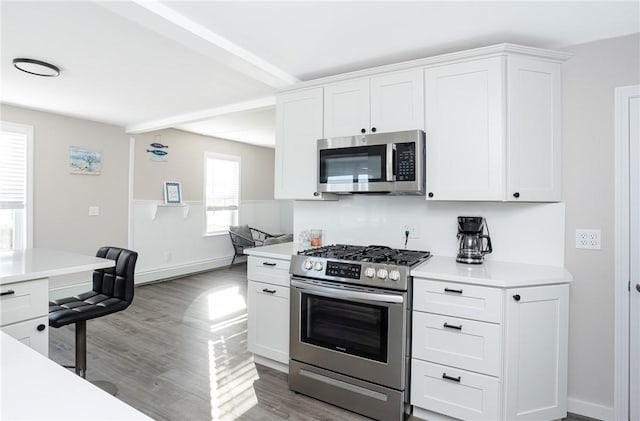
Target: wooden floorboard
{"points": [[179, 352]]}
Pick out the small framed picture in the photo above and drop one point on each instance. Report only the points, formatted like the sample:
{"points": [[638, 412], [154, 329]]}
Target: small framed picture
{"points": [[172, 193]]}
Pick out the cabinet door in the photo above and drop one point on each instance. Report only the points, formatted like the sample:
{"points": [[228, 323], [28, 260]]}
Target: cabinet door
{"points": [[464, 121], [34, 333], [536, 353], [269, 321], [298, 127], [397, 101], [346, 108], [533, 130]]}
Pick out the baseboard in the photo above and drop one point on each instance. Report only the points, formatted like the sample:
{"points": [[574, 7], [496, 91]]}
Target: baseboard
{"points": [[276, 365], [181, 270], [69, 290], [589, 409]]}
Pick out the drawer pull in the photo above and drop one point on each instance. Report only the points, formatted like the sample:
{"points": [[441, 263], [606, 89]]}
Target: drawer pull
{"points": [[270, 291], [453, 379], [41, 327], [268, 264], [455, 291], [516, 297], [447, 325], [7, 292]]}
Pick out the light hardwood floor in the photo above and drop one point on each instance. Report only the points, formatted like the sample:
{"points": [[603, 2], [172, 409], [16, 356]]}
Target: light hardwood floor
{"points": [[179, 352]]}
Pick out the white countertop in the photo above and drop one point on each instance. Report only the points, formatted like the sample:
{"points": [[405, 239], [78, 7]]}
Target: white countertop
{"points": [[34, 387], [24, 265], [274, 251], [491, 273]]}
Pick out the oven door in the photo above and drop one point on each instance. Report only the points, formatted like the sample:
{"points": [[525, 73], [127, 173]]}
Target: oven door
{"points": [[349, 330], [367, 168]]}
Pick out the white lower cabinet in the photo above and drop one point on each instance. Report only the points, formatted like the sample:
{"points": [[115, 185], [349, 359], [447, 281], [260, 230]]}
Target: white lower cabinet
{"points": [[269, 321], [268, 308], [470, 365], [24, 308]]}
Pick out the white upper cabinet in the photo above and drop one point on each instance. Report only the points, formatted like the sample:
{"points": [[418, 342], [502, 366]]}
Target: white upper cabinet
{"points": [[533, 89], [298, 127], [385, 103], [493, 130], [464, 123], [346, 108], [397, 101]]}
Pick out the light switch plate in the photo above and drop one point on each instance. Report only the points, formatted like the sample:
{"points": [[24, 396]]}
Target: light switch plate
{"points": [[588, 239], [94, 210]]}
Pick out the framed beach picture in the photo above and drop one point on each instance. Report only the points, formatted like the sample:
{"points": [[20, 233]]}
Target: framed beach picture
{"points": [[84, 161], [172, 193]]}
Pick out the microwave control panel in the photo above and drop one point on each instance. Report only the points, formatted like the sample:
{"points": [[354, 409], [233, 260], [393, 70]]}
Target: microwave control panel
{"points": [[405, 161], [343, 270]]}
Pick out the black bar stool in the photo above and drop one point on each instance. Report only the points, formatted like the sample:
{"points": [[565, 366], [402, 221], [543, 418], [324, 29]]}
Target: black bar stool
{"points": [[112, 292]]}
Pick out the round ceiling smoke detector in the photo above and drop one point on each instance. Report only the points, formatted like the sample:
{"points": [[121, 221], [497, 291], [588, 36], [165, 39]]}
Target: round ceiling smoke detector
{"points": [[36, 67]]}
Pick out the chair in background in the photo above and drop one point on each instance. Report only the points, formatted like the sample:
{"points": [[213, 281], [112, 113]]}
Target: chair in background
{"points": [[243, 236], [112, 292]]}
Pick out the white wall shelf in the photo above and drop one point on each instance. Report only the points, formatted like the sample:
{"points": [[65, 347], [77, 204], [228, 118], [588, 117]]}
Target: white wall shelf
{"points": [[154, 209]]}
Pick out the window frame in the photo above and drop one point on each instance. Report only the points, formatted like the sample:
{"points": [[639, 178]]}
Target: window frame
{"points": [[216, 155], [26, 130]]}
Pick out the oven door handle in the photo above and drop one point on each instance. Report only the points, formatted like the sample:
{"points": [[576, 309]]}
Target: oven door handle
{"points": [[346, 294]]}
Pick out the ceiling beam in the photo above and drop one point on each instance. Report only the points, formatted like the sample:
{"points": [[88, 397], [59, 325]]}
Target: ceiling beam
{"points": [[165, 21], [177, 120]]}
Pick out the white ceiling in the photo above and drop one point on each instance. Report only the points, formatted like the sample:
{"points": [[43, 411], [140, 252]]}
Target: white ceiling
{"points": [[148, 65]]}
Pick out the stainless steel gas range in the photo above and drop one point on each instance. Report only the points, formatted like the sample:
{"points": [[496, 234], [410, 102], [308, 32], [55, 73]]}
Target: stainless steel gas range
{"points": [[350, 321]]}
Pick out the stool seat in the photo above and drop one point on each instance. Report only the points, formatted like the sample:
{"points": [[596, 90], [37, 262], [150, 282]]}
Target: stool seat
{"points": [[86, 306]]}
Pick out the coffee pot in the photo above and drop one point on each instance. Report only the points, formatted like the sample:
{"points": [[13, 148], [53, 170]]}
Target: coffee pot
{"points": [[473, 244]]}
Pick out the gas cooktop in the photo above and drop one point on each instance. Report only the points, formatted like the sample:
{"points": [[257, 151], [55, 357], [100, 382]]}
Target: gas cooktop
{"points": [[373, 254], [373, 266]]}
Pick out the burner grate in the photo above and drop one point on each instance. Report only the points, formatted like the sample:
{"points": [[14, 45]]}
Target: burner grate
{"points": [[372, 254]]}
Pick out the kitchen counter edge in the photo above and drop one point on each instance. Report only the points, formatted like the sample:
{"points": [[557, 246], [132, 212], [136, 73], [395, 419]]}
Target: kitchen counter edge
{"points": [[275, 251], [491, 273]]}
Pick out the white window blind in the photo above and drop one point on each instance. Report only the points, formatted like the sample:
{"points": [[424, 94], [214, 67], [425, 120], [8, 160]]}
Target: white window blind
{"points": [[15, 185], [222, 193], [13, 170]]}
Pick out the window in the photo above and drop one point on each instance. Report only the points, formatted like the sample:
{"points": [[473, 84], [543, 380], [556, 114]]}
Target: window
{"points": [[222, 192], [16, 146]]}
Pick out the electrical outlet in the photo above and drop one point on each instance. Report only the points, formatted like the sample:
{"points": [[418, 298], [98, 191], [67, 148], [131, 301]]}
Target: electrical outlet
{"points": [[413, 231], [588, 239], [94, 210]]}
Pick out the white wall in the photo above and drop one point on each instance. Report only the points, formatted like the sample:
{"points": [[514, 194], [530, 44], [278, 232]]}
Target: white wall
{"points": [[173, 244], [520, 232], [588, 82]]}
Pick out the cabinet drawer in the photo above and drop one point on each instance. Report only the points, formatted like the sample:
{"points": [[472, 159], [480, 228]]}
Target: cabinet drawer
{"points": [[272, 271], [28, 333], [456, 393], [455, 342], [23, 301], [458, 300]]}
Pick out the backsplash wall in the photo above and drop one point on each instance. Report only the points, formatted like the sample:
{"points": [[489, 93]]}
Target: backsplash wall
{"points": [[520, 232]]}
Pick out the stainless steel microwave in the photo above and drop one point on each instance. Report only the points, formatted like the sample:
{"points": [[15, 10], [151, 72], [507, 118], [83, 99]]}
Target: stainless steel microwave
{"points": [[382, 163]]}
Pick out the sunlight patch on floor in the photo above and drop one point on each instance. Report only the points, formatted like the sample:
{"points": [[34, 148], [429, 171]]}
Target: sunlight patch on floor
{"points": [[225, 302], [231, 386]]}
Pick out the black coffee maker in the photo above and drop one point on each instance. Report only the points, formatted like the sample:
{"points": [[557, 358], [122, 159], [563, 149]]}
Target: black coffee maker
{"points": [[471, 239]]}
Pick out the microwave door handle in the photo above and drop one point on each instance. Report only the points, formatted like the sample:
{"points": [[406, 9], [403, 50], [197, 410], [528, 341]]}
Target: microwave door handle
{"points": [[346, 294], [391, 162]]}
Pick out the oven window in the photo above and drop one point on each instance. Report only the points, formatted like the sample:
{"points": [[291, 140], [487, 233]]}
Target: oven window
{"points": [[353, 165], [346, 326]]}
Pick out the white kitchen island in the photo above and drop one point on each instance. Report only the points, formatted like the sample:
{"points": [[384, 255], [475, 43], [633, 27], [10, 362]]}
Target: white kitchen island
{"points": [[35, 388], [24, 290]]}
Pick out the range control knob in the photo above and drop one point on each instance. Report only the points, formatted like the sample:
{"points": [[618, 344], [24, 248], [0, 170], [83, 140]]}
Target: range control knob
{"points": [[318, 266], [369, 272], [394, 275], [308, 264], [382, 273]]}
